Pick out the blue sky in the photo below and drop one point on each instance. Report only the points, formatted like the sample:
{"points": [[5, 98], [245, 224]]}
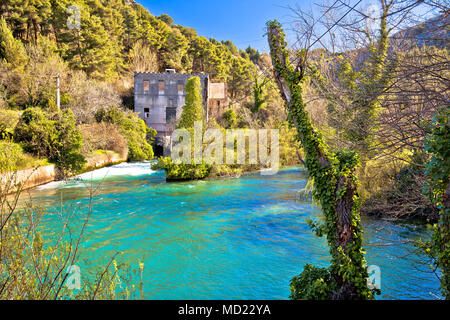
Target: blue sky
{"points": [[241, 21]]}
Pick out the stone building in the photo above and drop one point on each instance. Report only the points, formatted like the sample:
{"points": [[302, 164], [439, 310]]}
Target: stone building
{"points": [[159, 98], [218, 98]]}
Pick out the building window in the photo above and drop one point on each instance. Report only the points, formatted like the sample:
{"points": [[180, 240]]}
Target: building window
{"points": [[146, 86], [218, 104], [180, 87], [172, 103], [161, 85], [146, 112], [171, 115]]}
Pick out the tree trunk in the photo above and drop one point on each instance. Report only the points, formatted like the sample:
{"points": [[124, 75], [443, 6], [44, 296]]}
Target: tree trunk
{"points": [[335, 191]]}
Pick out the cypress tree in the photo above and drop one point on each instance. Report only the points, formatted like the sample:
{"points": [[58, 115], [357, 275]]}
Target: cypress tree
{"points": [[192, 110]]}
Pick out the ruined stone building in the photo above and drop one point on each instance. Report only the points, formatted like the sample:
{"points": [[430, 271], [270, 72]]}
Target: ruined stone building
{"points": [[218, 98], [159, 98]]}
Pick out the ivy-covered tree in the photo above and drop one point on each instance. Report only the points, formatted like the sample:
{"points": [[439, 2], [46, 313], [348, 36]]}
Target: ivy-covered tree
{"points": [[438, 189], [258, 94], [335, 186], [192, 112]]}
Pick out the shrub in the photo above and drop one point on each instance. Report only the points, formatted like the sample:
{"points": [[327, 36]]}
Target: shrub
{"points": [[182, 171], [8, 121], [12, 157], [36, 132], [53, 136], [102, 136], [133, 129], [229, 118]]}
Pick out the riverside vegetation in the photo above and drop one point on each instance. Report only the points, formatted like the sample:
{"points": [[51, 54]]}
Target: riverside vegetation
{"points": [[367, 117], [95, 64], [364, 95]]}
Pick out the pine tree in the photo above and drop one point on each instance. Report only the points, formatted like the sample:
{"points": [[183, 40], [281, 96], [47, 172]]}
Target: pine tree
{"points": [[12, 51]]}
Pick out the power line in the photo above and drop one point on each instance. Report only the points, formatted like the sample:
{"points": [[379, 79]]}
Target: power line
{"points": [[267, 72], [323, 14], [334, 24]]}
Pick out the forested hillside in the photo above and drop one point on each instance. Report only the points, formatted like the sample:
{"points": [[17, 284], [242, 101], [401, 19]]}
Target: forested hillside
{"points": [[95, 47], [119, 36]]}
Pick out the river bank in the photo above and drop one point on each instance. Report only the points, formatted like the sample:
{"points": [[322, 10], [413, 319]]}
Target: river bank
{"points": [[33, 177]]}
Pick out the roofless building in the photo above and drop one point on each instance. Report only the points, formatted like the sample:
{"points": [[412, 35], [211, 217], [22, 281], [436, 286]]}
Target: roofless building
{"points": [[159, 99]]}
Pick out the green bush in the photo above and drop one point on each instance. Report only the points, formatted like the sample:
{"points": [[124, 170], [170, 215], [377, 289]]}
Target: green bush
{"points": [[134, 130], [312, 284], [53, 136], [8, 121], [229, 118], [12, 157], [182, 171]]}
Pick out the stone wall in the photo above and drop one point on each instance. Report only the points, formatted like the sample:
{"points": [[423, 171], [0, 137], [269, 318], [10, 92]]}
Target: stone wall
{"points": [[30, 178], [97, 160], [218, 99]]}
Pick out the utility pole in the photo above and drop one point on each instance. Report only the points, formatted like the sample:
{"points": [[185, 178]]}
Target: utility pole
{"points": [[58, 103]]}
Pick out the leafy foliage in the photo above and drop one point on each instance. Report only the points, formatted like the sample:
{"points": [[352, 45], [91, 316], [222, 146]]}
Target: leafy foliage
{"points": [[12, 51], [134, 130], [313, 284], [230, 118], [438, 189], [8, 121], [53, 136], [182, 171], [12, 157], [333, 179], [192, 110]]}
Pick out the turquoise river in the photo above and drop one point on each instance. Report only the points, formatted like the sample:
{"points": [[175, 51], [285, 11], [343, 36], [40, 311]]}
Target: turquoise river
{"points": [[234, 238]]}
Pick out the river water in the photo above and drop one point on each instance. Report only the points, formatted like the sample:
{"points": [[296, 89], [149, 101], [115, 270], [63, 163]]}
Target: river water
{"points": [[234, 238]]}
